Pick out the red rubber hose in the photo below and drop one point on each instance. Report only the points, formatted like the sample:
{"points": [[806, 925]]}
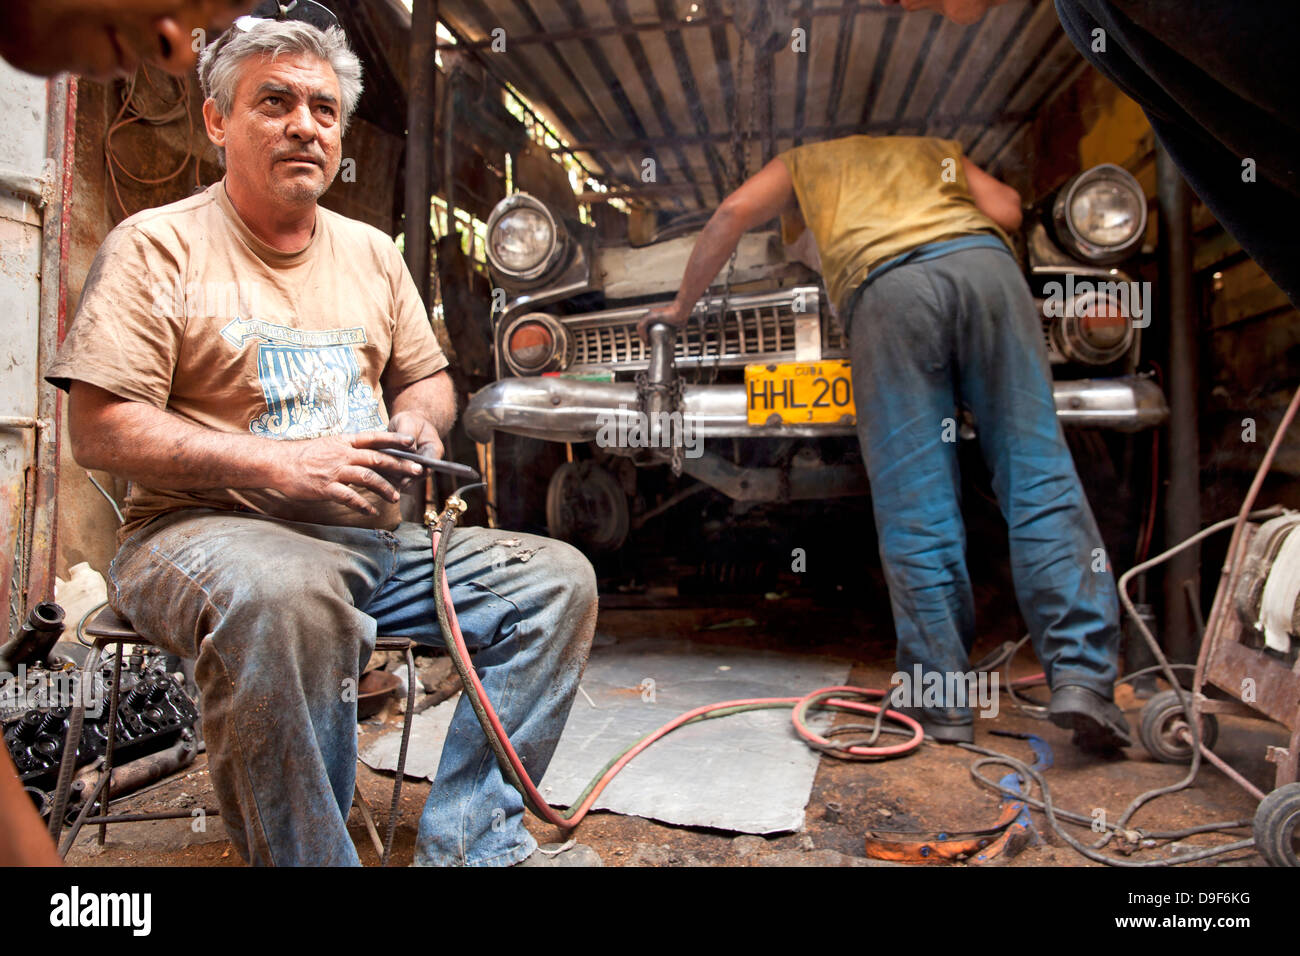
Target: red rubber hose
{"points": [[574, 816]]}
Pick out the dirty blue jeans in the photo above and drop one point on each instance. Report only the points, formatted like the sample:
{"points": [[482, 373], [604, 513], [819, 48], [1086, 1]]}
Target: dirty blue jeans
{"points": [[282, 617], [963, 330]]}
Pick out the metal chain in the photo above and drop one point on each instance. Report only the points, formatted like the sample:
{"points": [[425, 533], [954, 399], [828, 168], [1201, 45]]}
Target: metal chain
{"points": [[676, 394]]}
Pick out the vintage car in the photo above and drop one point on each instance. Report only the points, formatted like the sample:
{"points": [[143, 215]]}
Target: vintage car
{"points": [[752, 397]]}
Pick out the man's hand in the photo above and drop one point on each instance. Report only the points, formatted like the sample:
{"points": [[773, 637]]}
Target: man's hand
{"points": [[425, 438], [668, 314], [325, 469], [763, 196]]}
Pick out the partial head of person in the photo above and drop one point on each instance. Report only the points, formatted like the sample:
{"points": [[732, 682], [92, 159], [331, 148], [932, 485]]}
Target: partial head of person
{"points": [[958, 11], [104, 38], [280, 92]]}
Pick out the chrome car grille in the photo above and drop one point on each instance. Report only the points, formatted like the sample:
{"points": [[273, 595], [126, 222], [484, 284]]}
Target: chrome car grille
{"points": [[763, 326]]}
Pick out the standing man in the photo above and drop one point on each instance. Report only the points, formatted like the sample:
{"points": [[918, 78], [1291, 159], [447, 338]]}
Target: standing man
{"points": [[244, 357], [910, 237]]}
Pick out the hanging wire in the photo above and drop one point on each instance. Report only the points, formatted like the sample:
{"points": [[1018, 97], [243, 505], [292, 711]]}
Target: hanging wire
{"points": [[130, 112]]}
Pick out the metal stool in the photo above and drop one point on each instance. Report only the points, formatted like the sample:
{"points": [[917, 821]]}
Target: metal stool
{"points": [[106, 628]]}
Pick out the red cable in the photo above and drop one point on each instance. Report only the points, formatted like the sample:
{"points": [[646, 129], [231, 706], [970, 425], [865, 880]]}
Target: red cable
{"points": [[547, 813]]}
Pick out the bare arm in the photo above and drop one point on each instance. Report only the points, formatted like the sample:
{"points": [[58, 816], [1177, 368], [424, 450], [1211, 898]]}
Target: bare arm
{"points": [[994, 198], [156, 448], [763, 196]]}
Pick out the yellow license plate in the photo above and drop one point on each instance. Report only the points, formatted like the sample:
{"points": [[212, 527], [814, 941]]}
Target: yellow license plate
{"points": [[800, 393]]}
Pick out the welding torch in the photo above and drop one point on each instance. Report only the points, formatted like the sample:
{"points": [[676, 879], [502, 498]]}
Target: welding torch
{"points": [[434, 464]]}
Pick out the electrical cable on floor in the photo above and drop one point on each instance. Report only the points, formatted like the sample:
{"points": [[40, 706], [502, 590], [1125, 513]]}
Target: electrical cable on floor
{"points": [[1027, 773], [842, 699]]}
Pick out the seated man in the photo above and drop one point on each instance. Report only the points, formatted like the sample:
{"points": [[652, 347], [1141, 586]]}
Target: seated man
{"points": [[237, 356], [908, 234]]}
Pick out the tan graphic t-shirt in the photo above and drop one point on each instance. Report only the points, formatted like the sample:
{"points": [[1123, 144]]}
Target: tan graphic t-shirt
{"points": [[186, 310]]}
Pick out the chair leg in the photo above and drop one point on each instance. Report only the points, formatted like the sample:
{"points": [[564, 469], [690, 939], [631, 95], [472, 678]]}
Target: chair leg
{"points": [[360, 802], [71, 743], [411, 678], [91, 799], [112, 736]]}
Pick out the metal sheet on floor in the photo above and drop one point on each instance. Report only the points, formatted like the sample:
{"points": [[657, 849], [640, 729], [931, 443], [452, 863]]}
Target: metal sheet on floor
{"points": [[748, 773]]}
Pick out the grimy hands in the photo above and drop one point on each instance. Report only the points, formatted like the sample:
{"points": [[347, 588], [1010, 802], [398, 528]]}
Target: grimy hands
{"points": [[424, 438], [668, 314], [334, 467]]}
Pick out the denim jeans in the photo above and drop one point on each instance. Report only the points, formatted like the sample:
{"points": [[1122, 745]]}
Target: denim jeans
{"points": [[282, 617], [963, 330]]}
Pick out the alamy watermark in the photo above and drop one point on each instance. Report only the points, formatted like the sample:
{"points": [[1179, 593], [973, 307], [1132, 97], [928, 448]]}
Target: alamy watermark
{"points": [[1132, 298], [218, 299], [632, 428], [936, 689], [49, 690]]}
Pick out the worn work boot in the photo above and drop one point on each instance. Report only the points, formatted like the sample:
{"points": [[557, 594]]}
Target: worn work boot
{"points": [[945, 732], [560, 854], [1099, 726]]}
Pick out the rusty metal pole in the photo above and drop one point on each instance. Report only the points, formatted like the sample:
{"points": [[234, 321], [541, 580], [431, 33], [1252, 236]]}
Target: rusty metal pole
{"points": [[56, 233], [419, 142], [420, 118], [1183, 494]]}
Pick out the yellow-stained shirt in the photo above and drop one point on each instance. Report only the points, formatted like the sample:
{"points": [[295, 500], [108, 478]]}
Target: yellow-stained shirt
{"points": [[868, 199]]}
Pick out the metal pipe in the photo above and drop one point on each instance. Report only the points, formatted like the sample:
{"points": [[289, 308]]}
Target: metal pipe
{"points": [[37, 636], [419, 142], [1185, 735], [448, 133], [660, 379], [141, 772], [1183, 495], [24, 185], [56, 236], [25, 421]]}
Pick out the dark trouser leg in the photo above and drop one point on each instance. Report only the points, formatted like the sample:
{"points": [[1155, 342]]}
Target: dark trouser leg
{"points": [[269, 611], [527, 608], [901, 348], [1062, 574]]}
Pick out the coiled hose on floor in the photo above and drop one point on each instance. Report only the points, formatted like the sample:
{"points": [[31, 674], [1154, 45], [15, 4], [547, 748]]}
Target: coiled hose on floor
{"points": [[857, 700]]}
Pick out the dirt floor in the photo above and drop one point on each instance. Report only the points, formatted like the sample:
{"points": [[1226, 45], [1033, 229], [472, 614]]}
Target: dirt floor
{"points": [[930, 790]]}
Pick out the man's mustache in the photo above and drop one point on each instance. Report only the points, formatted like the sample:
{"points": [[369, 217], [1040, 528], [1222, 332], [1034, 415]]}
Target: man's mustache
{"points": [[299, 154]]}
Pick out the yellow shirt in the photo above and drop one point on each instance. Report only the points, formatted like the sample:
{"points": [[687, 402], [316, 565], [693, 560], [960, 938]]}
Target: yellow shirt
{"points": [[868, 199]]}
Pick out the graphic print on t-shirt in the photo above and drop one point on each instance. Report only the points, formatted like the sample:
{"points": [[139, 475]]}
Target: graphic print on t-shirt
{"points": [[311, 381]]}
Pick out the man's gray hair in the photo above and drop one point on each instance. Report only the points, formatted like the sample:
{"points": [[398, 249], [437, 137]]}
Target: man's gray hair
{"points": [[219, 64]]}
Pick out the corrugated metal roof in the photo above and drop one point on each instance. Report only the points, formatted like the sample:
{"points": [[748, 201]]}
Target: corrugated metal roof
{"points": [[630, 80]]}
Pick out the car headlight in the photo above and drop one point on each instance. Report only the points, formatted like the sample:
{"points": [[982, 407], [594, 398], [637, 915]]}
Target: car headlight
{"points": [[1101, 214], [535, 343], [1095, 329], [524, 241]]}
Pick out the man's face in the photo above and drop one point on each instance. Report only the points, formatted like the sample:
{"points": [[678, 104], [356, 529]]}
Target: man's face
{"points": [[101, 38], [283, 134], [958, 11]]}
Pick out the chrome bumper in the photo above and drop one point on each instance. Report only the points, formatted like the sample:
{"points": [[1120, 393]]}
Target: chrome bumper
{"points": [[570, 410]]}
